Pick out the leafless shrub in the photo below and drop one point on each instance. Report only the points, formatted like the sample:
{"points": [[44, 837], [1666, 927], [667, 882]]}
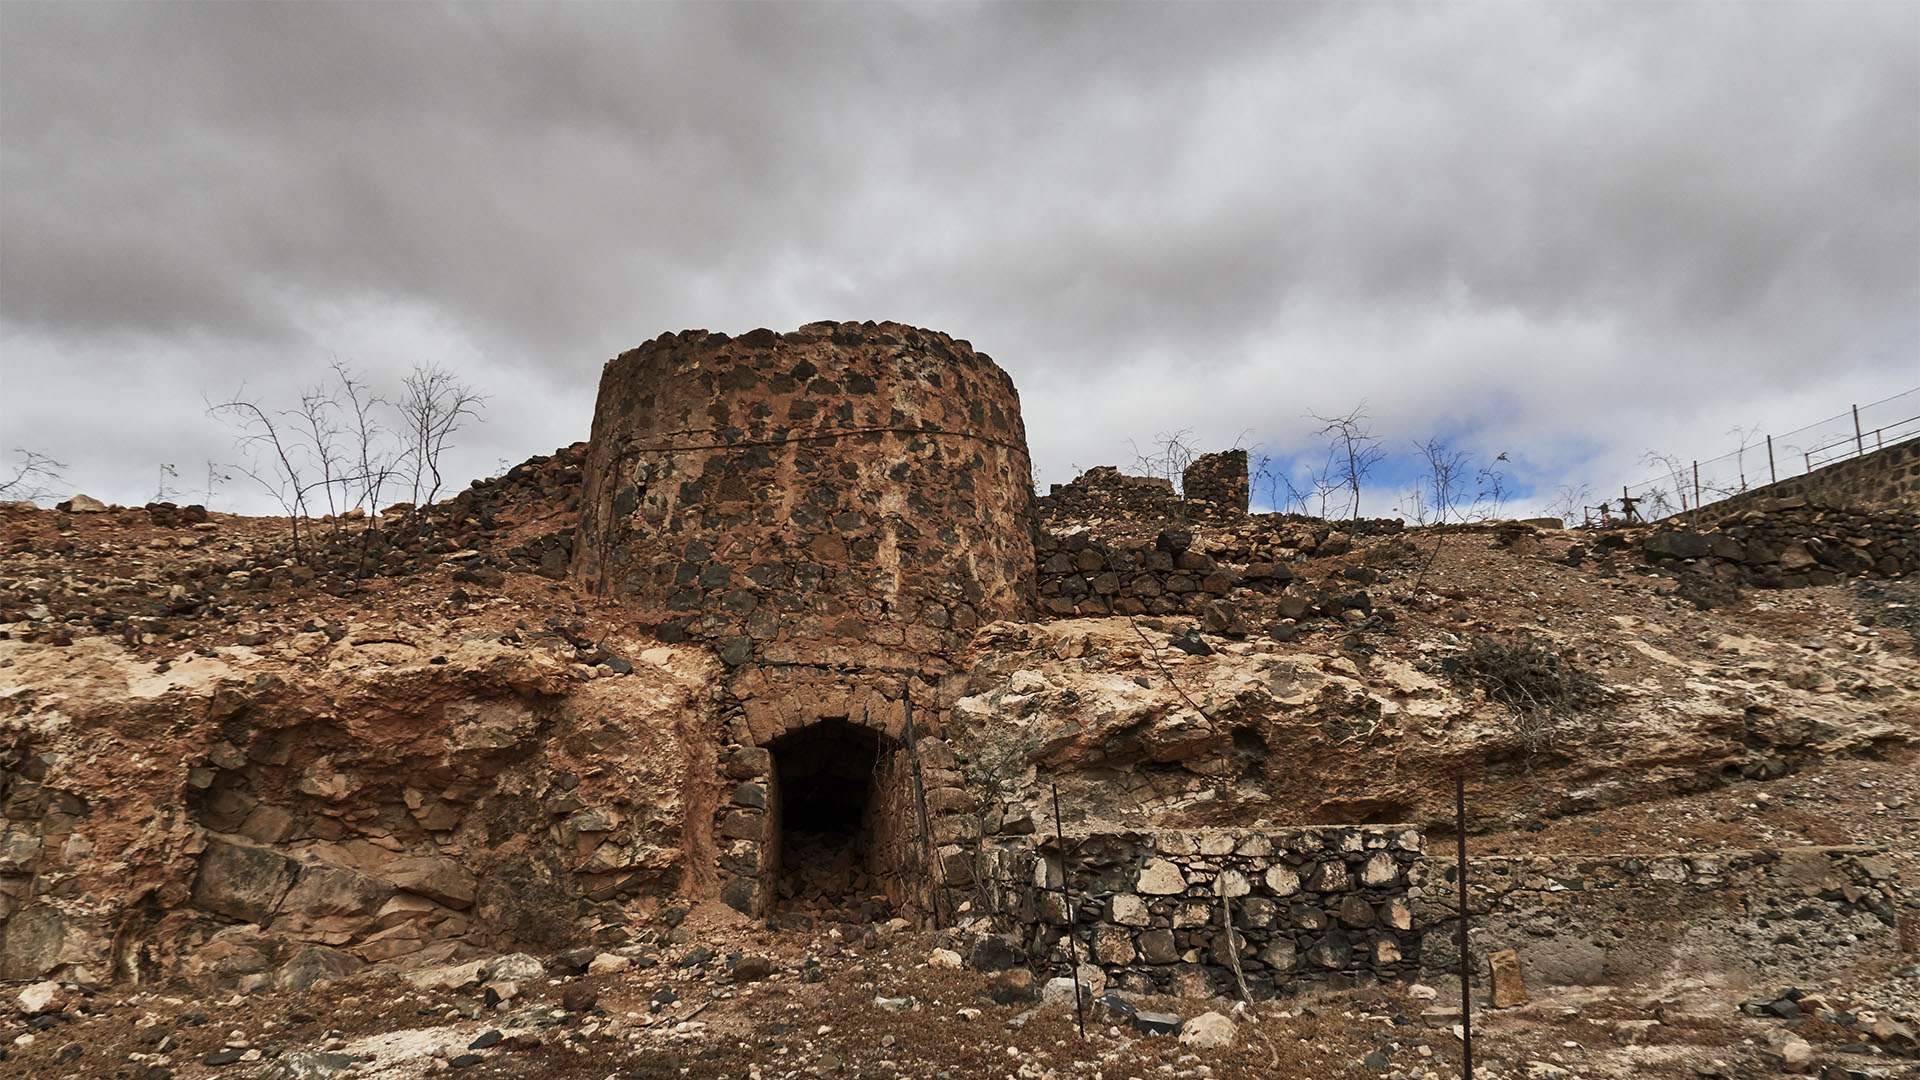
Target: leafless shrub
{"points": [[434, 406], [1542, 689], [1569, 503], [1271, 477], [1167, 456], [1493, 489], [1445, 477], [1352, 452], [1658, 502], [331, 454]]}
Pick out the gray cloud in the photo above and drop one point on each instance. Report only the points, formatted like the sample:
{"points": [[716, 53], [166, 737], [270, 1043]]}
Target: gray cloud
{"points": [[1575, 231]]}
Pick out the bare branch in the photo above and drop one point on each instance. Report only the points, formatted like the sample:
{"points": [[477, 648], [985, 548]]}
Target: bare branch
{"points": [[33, 479], [1446, 473], [432, 409], [1352, 451]]}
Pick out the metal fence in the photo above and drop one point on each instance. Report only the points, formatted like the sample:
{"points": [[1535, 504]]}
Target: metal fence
{"points": [[1761, 458]]}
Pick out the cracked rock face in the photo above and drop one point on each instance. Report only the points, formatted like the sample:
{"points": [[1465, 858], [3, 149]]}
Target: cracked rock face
{"points": [[253, 821]]}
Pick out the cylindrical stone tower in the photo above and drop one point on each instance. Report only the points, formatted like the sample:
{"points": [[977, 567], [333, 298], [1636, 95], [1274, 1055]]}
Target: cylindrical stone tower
{"points": [[847, 495]]}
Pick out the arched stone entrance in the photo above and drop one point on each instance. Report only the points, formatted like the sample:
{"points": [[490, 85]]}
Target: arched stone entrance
{"points": [[825, 808], [838, 829]]}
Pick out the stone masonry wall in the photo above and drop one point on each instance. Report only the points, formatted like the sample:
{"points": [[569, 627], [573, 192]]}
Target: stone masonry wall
{"points": [[1322, 906], [1104, 492], [1228, 577], [1884, 479], [1791, 913], [1789, 544], [842, 494], [1220, 479]]}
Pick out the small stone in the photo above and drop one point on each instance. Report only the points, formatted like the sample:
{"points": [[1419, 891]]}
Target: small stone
{"points": [[752, 969], [488, 1039], [1509, 990], [41, 997], [944, 959], [608, 963], [1795, 1052], [1156, 1023], [1128, 910], [1209, 1031], [1282, 881], [1161, 878], [1012, 986]]}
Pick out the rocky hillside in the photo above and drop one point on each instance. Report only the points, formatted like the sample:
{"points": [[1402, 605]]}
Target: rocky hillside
{"points": [[407, 744]]}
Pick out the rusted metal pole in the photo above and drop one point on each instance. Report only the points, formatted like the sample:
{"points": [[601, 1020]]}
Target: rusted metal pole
{"points": [[920, 800], [1773, 475], [1466, 956], [1696, 485], [1858, 441], [1066, 900]]}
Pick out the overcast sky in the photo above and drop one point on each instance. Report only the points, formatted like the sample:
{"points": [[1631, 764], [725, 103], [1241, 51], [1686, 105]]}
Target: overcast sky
{"points": [[1569, 232]]}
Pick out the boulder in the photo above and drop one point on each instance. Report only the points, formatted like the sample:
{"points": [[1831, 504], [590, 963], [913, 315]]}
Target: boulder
{"points": [[608, 963], [1677, 545], [1156, 1023], [313, 965], [1331, 952], [516, 968], [434, 877], [1282, 881], [32, 943], [242, 881], [325, 891]]}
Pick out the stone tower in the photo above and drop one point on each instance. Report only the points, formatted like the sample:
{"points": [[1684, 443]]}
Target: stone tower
{"points": [[834, 510]]}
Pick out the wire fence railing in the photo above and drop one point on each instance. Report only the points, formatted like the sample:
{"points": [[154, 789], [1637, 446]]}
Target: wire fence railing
{"points": [[1762, 458]]}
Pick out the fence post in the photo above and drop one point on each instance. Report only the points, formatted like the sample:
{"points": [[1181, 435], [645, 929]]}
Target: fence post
{"points": [[1859, 442], [1696, 485], [1773, 475], [1466, 951]]}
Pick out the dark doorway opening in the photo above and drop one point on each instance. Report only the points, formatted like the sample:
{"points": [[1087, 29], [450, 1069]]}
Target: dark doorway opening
{"points": [[830, 828]]}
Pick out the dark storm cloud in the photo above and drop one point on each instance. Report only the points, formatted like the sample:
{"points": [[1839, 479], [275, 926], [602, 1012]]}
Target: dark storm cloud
{"points": [[1577, 229]]}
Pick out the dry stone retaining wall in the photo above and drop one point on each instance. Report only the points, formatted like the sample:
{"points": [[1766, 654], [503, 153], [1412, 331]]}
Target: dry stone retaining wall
{"points": [[1790, 544], [1311, 906], [1585, 919], [1225, 576], [1884, 479]]}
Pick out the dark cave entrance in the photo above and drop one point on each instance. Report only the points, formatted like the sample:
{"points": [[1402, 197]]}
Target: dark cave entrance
{"points": [[834, 827]]}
